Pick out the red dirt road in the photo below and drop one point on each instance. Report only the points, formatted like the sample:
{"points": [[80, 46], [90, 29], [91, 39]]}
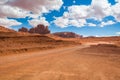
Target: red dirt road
{"points": [[60, 64]]}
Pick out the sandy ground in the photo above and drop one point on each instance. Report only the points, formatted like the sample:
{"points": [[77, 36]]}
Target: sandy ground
{"points": [[70, 63]]}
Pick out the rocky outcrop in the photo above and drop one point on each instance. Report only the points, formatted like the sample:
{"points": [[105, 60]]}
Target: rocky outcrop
{"points": [[67, 35], [23, 29], [40, 29], [32, 30]]}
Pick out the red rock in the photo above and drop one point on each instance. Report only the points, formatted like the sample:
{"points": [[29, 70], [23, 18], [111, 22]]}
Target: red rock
{"points": [[40, 29], [23, 29]]}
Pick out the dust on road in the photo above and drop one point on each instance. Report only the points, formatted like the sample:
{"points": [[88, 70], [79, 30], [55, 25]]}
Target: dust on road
{"points": [[72, 63]]}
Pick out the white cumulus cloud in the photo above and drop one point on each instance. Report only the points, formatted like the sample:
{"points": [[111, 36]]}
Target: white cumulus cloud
{"points": [[118, 33], [14, 12], [62, 22], [24, 8], [8, 22], [35, 22], [78, 12], [77, 23], [116, 11], [3, 1], [91, 24], [75, 16], [98, 9], [37, 6], [107, 23]]}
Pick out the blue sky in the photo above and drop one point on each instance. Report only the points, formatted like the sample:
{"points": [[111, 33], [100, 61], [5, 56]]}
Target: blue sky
{"points": [[74, 16]]}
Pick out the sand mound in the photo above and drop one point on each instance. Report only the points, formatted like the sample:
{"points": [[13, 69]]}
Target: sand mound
{"points": [[105, 46], [3, 29], [103, 49]]}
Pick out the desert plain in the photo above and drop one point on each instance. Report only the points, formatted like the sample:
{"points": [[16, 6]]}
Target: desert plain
{"points": [[25, 56]]}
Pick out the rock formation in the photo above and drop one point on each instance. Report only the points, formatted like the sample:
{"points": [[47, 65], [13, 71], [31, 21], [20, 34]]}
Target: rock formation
{"points": [[40, 29], [23, 29]]}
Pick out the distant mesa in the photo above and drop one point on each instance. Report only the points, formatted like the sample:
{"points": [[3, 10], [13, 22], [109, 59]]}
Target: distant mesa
{"points": [[91, 37], [67, 35]]}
